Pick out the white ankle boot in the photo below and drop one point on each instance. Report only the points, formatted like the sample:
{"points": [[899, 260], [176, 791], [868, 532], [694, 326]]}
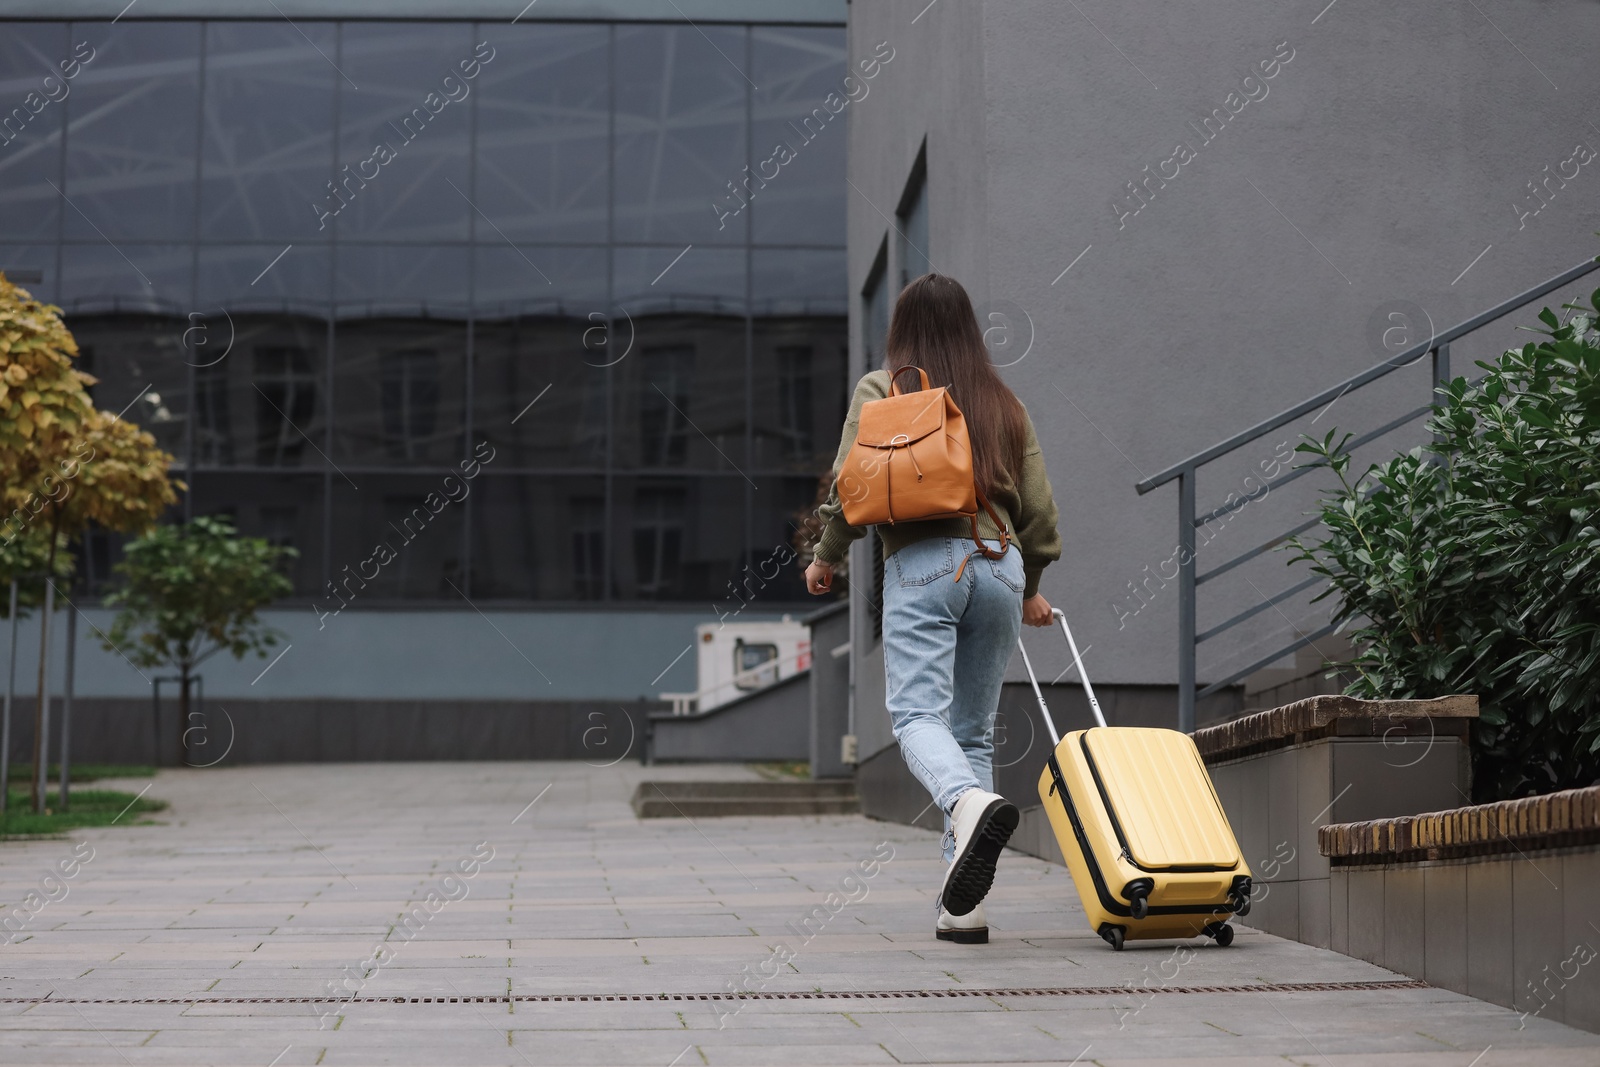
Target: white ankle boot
{"points": [[969, 929], [982, 823]]}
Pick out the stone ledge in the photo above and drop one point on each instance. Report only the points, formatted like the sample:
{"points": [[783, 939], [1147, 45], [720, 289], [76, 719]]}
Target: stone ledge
{"points": [[1336, 716], [1555, 820]]}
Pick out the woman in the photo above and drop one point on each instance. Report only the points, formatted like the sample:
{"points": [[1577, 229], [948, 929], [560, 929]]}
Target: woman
{"points": [[946, 642]]}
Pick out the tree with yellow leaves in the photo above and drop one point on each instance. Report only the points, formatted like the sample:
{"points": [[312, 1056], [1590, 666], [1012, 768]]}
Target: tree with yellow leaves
{"points": [[66, 464]]}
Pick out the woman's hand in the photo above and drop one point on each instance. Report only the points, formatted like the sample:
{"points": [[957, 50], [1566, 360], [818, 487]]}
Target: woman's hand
{"points": [[819, 577], [1036, 611]]}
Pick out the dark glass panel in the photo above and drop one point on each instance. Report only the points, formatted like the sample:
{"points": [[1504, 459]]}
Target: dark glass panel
{"points": [[398, 537], [286, 509], [261, 377], [677, 538], [773, 574], [400, 371], [798, 139], [540, 353], [33, 95], [266, 152], [537, 537], [403, 131], [140, 363], [875, 310], [130, 150], [680, 393], [543, 125], [128, 308], [913, 233], [128, 277], [800, 353], [32, 267], [680, 133]]}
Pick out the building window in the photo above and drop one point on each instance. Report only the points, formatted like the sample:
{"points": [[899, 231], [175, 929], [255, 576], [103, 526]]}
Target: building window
{"points": [[286, 398], [875, 310], [664, 406], [913, 215], [212, 417], [657, 542], [794, 399], [410, 383], [278, 524], [588, 547]]}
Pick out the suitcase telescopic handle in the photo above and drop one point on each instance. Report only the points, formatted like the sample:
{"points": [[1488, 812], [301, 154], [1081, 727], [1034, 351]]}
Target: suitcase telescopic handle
{"points": [[1077, 659]]}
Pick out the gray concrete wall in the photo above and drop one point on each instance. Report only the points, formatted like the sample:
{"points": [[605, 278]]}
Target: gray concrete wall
{"points": [[829, 691], [226, 732], [1278, 800], [1382, 162], [770, 724], [1515, 930], [444, 655]]}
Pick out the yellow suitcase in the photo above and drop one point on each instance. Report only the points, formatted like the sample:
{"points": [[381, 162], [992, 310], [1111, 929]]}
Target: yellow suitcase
{"points": [[1143, 833]]}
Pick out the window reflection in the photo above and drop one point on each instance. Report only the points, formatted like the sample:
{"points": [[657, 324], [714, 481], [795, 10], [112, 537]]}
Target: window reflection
{"points": [[677, 538], [538, 537], [680, 137], [801, 199], [799, 356], [543, 133], [663, 414], [130, 150], [399, 537], [267, 140], [401, 371], [653, 404], [30, 146], [541, 353], [286, 509], [287, 387], [399, 68]]}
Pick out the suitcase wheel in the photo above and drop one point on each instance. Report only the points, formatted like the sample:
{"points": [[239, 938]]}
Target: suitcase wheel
{"points": [[1138, 894], [1221, 933], [1112, 935]]}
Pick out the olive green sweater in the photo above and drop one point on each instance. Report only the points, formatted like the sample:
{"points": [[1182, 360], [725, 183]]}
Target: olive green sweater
{"points": [[1024, 503]]}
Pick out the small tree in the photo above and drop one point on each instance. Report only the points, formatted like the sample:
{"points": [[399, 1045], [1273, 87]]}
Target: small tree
{"points": [[193, 591], [66, 463]]}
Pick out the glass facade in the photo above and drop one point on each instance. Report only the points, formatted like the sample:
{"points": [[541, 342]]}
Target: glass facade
{"points": [[504, 297]]}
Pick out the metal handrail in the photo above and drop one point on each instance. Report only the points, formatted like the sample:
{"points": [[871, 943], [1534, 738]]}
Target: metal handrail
{"points": [[1371, 374], [1185, 473]]}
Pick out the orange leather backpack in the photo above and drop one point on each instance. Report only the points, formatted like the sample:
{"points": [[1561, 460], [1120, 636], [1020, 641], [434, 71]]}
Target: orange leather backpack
{"points": [[911, 461]]}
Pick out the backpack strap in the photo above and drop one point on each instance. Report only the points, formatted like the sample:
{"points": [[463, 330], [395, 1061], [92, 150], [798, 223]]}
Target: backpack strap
{"points": [[980, 547], [894, 378]]}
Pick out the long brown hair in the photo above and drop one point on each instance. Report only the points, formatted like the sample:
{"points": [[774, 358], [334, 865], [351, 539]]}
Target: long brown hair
{"points": [[934, 328]]}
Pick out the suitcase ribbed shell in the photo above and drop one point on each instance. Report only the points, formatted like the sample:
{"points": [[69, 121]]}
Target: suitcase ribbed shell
{"points": [[1163, 798]]}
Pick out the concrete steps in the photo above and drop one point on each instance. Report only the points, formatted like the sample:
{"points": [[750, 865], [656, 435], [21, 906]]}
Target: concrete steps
{"points": [[664, 800]]}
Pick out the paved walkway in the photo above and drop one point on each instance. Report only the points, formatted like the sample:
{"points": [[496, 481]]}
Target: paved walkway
{"points": [[266, 884]]}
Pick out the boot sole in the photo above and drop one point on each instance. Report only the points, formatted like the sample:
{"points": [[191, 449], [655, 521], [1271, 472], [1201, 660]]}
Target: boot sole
{"points": [[966, 937], [973, 871]]}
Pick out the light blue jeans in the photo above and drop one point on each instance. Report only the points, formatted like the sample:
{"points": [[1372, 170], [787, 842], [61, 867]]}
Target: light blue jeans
{"points": [[945, 649]]}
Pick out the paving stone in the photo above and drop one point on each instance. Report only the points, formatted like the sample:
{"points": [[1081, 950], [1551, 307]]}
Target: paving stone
{"points": [[233, 897]]}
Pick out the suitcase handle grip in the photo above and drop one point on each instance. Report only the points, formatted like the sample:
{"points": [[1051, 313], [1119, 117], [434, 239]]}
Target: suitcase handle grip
{"points": [[1077, 659]]}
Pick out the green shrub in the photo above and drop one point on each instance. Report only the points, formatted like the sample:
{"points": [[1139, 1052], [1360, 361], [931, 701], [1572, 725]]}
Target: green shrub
{"points": [[1474, 567]]}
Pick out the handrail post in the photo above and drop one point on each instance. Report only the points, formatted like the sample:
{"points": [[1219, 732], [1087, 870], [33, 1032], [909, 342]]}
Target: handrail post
{"points": [[1441, 378], [1186, 610]]}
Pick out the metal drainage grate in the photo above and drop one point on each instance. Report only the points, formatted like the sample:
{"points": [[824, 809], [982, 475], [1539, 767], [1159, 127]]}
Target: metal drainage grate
{"points": [[851, 994]]}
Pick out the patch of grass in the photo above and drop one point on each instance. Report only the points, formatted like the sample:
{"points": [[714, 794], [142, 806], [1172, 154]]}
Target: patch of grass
{"points": [[90, 807], [788, 770], [85, 772]]}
